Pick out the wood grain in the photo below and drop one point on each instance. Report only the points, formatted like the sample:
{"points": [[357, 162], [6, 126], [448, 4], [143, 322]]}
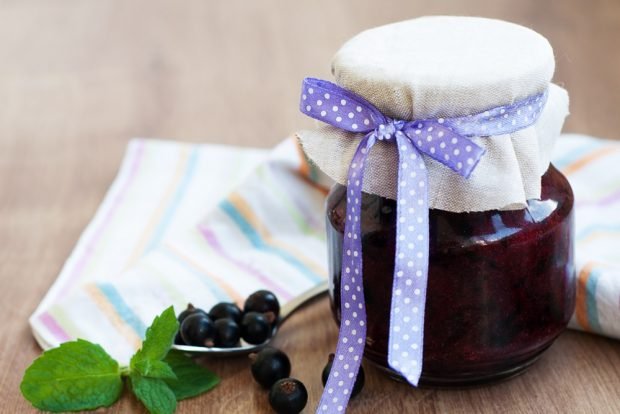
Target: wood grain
{"points": [[79, 78]]}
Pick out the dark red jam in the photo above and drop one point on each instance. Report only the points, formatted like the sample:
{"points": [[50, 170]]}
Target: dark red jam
{"points": [[500, 283]]}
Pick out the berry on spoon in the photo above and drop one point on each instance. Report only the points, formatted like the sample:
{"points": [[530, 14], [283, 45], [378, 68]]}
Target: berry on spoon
{"points": [[197, 329], [256, 327], [190, 310], [262, 301], [224, 310], [226, 334]]}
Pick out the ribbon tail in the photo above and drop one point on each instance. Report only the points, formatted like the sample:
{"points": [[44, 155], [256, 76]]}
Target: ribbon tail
{"points": [[406, 336], [352, 335]]}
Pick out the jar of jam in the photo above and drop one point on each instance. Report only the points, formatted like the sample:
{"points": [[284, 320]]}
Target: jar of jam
{"points": [[447, 212], [500, 283]]}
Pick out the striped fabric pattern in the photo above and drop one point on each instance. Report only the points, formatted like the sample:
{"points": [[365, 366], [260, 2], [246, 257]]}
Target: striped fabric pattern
{"points": [[143, 250], [593, 168], [206, 223]]}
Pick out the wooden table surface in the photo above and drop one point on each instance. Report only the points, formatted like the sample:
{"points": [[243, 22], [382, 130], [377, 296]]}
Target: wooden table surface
{"points": [[79, 78]]}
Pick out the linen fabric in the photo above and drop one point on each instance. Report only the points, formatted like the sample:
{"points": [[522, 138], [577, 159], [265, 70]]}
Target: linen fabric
{"points": [[441, 66]]}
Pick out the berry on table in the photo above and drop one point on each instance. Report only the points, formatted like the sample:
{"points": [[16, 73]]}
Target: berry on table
{"points": [[224, 310], [262, 301], [197, 329], [359, 381], [288, 396], [226, 334], [269, 366], [256, 327]]}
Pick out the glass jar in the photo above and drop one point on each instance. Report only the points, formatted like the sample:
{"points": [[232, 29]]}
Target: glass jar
{"points": [[500, 283]]}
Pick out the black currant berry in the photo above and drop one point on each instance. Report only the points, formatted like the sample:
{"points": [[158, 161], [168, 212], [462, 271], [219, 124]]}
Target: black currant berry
{"points": [[178, 340], [288, 396], [197, 329], [262, 301], [189, 311], [227, 333], [269, 366], [359, 381], [225, 310], [256, 327]]}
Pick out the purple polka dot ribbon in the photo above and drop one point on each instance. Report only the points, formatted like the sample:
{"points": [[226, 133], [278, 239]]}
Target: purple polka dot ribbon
{"points": [[446, 141]]}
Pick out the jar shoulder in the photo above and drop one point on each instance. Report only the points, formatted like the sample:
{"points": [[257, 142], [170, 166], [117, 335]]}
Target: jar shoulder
{"points": [[448, 229]]}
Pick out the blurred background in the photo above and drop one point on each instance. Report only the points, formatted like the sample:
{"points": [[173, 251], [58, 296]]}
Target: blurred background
{"points": [[94, 73]]}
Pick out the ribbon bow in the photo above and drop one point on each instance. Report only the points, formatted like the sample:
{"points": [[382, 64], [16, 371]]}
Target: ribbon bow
{"points": [[446, 141]]}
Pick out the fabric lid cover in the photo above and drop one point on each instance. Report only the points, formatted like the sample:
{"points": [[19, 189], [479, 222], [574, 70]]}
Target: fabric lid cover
{"points": [[444, 66]]}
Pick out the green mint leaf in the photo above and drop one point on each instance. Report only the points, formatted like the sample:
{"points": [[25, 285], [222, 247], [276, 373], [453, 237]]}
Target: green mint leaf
{"points": [[159, 338], [154, 393], [77, 375], [192, 379], [154, 369]]}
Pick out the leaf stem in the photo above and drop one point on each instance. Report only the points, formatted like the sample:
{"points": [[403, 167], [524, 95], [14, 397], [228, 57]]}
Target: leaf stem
{"points": [[125, 371]]}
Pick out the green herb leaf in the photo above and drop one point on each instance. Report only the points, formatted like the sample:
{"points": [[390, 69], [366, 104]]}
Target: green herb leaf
{"points": [[159, 338], [192, 379], [154, 369], [154, 393], [78, 375]]}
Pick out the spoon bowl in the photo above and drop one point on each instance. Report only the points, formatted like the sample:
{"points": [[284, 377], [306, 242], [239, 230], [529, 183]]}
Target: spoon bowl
{"points": [[246, 348]]}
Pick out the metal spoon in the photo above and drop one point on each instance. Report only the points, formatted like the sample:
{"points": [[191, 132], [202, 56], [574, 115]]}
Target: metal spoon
{"points": [[246, 348]]}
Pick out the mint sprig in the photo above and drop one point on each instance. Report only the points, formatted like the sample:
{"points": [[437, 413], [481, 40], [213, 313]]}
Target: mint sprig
{"points": [[154, 393], [192, 379], [158, 338], [80, 375], [154, 369], [76, 376]]}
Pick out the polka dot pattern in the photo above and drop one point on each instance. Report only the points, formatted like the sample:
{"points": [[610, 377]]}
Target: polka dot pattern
{"points": [[502, 119], [410, 264], [352, 335], [441, 143], [446, 141], [339, 108]]}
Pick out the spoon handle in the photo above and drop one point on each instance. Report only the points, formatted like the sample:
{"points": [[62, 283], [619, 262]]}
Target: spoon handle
{"points": [[302, 299]]}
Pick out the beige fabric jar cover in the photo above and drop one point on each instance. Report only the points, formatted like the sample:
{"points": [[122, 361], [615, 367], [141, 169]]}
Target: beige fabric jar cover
{"points": [[443, 66]]}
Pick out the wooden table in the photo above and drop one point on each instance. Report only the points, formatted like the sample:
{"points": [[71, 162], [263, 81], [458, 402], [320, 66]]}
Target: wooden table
{"points": [[79, 78]]}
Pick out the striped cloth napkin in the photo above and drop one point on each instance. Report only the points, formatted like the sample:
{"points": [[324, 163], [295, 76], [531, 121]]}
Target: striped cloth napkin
{"points": [[144, 251], [593, 168], [151, 244]]}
